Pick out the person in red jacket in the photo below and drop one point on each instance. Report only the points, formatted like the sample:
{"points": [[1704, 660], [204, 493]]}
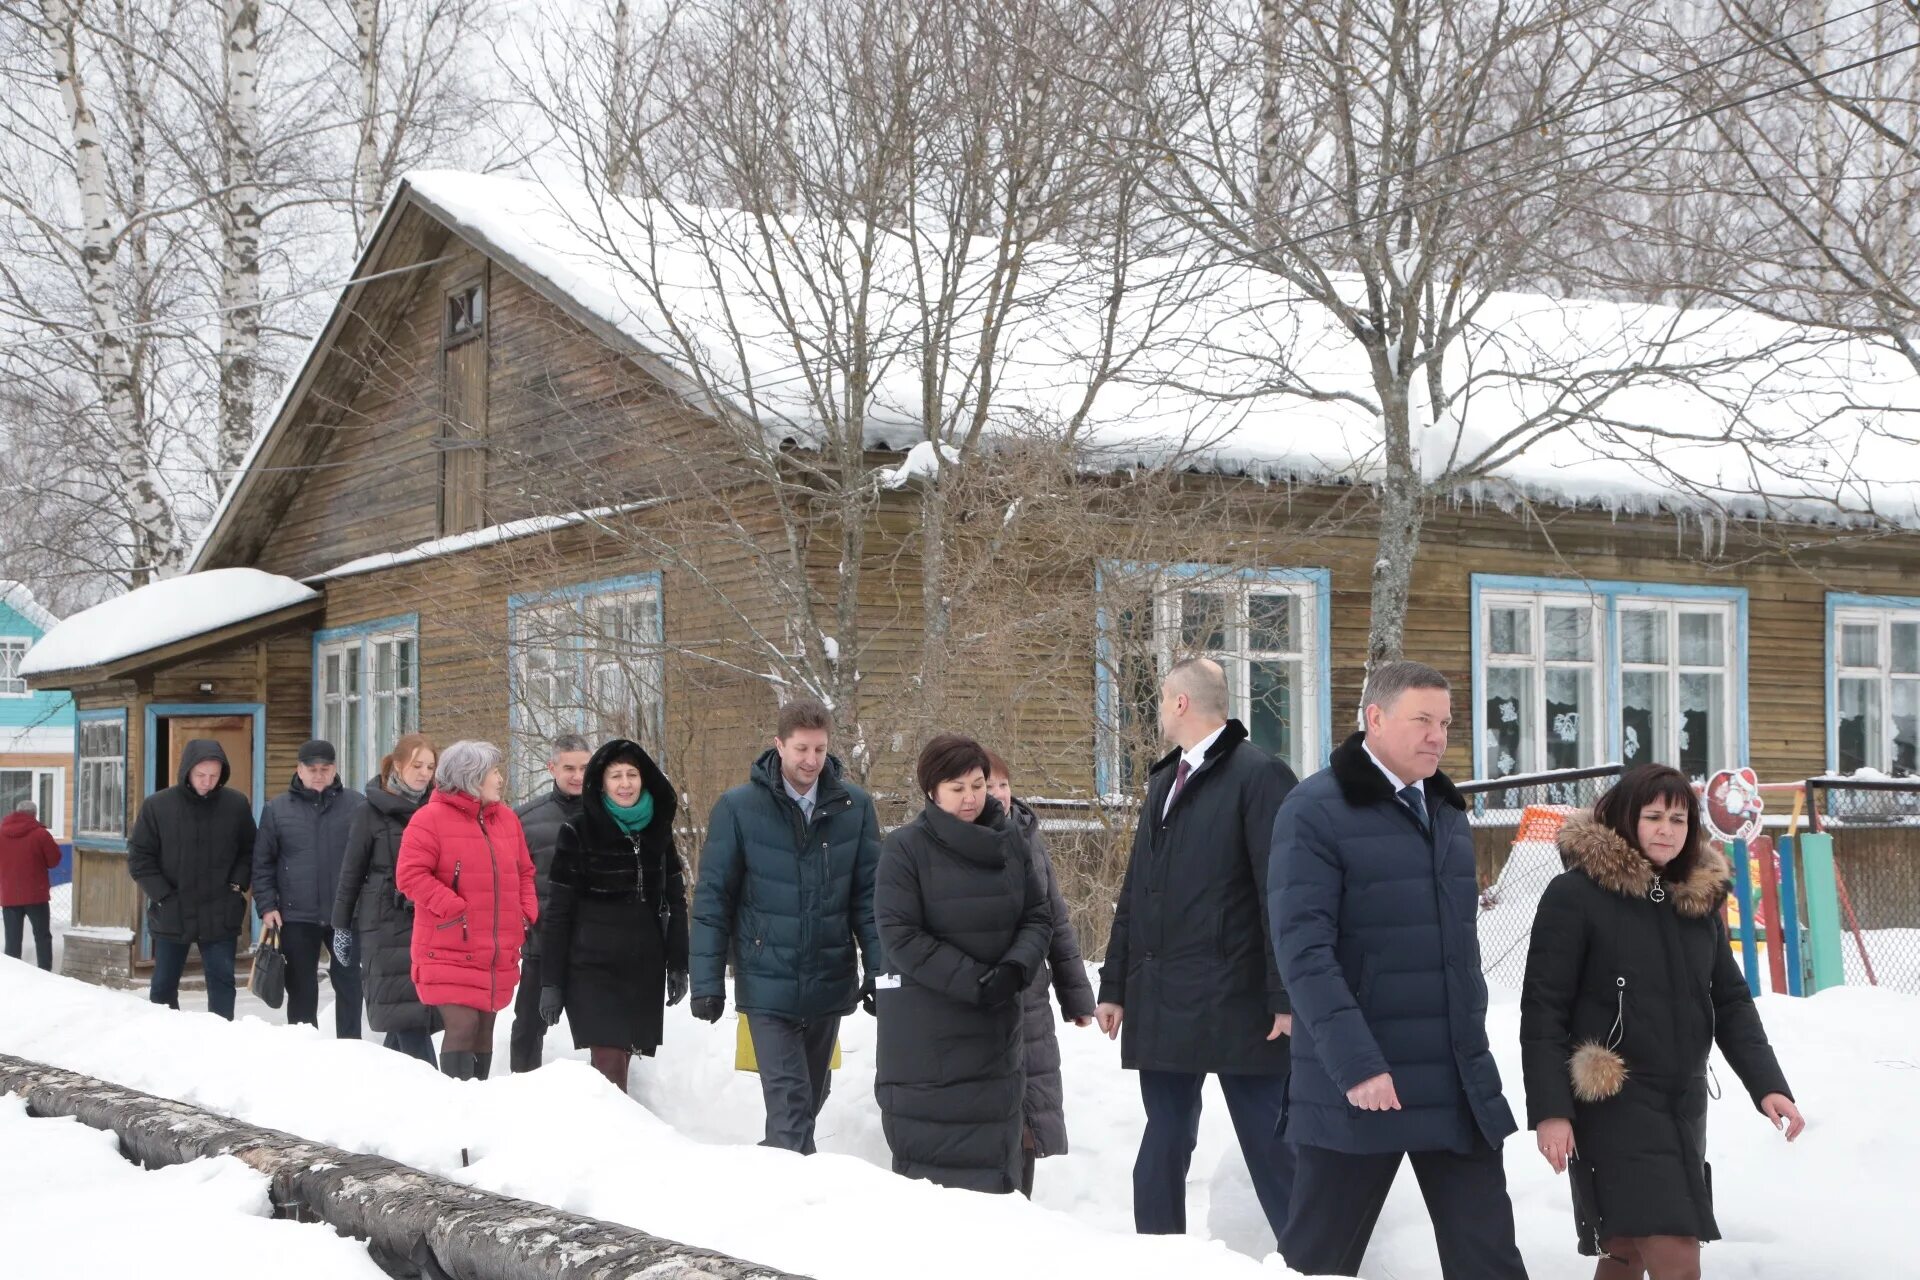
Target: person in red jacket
{"points": [[464, 865], [27, 853]]}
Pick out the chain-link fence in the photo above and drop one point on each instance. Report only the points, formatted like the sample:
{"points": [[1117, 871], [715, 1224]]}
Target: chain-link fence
{"points": [[1875, 825], [1516, 826]]}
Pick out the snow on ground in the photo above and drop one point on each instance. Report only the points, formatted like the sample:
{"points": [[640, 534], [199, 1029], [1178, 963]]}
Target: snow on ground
{"points": [[1836, 1203], [187, 1222]]}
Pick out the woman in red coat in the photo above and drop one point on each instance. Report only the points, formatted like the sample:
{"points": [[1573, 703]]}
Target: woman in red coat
{"points": [[464, 864]]}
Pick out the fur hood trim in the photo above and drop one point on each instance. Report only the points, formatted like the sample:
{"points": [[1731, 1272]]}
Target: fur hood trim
{"points": [[1614, 865]]}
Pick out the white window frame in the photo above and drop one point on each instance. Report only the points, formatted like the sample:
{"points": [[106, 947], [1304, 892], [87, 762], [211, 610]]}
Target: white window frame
{"points": [[1169, 585], [355, 703], [13, 651], [1538, 664], [1238, 657], [1618, 602], [1882, 747], [562, 626], [404, 696], [115, 764], [1674, 670], [49, 787]]}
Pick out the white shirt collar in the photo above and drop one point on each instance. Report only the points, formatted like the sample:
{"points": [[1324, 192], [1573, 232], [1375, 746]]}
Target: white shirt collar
{"points": [[805, 798], [1198, 755], [1398, 786]]}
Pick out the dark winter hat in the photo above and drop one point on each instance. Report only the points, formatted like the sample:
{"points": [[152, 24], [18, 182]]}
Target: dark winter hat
{"points": [[317, 751]]}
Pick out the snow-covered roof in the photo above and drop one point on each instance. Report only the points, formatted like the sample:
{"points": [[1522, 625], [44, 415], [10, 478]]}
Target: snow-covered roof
{"points": [[473, 540], [20, 597], [162, 613], [1670, 409]]}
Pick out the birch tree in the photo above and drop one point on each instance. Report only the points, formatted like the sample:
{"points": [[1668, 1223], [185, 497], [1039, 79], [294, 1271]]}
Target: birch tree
{"points": [[240, 233], [154, 532]]}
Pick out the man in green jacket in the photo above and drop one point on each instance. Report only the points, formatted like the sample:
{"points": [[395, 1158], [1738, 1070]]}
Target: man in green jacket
{"points": [[786, 892]]}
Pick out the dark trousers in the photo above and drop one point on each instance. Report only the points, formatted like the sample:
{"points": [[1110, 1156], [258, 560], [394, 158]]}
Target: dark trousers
{"points": [[526, 1042], [1337, 1198], [170, 961], [415, 1044], [304, 944], [795, 1060], [42, 920], [1172, 1100]]}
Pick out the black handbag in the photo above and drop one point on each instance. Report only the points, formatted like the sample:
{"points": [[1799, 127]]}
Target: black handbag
{"points": [[269, 978]]}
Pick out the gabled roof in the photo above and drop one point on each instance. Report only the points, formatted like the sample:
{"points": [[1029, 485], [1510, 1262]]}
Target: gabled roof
{"points": [[1714, 411]]}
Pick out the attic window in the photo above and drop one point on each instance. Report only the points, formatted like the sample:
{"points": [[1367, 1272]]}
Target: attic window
{"points": [[466, 312]]}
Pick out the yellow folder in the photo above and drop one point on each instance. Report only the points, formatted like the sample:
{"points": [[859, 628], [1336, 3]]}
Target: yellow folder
{"points": [[743, 1059]]}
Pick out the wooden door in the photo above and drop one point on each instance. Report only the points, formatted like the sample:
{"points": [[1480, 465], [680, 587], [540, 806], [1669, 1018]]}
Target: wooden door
{"points": [[233, 733], [235, 736]]}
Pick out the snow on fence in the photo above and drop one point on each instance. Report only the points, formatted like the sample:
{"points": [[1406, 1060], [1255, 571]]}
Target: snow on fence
{"points": [[415, 1223]]}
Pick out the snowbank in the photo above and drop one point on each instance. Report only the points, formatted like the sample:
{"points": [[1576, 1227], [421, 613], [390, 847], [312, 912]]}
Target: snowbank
{"points": [[680, 1163], [1712, 411], [161, 613], [71, 1206]]}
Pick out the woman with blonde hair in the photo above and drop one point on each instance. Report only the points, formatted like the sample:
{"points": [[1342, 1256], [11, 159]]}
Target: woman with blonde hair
{"points": [[370, 915]]}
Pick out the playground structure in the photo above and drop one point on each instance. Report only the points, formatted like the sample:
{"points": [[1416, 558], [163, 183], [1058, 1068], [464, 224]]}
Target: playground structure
{"points": [[1789, 870]]}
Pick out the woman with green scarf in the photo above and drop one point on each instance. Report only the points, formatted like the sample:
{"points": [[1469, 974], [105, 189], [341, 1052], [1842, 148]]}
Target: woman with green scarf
{"points": [[615, 940]]}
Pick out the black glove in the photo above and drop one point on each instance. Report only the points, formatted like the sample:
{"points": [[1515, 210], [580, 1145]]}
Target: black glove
{"points": [[676, 986], [866, 997], [343, 947], [1001, 984], [708, 1008], [552, 1002]]}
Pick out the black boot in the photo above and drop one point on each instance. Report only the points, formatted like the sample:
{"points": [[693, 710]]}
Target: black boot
{"points": [[458, 1063], [482, 1063]]}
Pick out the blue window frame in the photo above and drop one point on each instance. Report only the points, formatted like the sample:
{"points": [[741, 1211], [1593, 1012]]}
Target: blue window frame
{"points": [[1571, 672], [1873, 684], [586, 659], [100, 780], [1269, 628], [366, 690]]}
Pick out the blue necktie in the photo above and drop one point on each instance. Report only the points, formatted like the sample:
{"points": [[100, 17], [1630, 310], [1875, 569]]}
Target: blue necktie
{"points": [[1410, 795]]}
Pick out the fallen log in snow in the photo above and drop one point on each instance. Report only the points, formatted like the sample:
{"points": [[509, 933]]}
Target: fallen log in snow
{"points": [[472, 1234]]}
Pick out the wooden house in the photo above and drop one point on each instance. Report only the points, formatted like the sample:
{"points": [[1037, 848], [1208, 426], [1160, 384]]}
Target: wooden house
{"points": [[446, 523]]}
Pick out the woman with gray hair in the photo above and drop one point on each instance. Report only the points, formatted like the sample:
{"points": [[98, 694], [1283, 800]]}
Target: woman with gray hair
{"points": [[464, 864]]}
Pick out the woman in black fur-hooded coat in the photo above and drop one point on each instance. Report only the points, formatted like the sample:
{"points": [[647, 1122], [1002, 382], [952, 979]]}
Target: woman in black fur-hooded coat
{"points": [[1630, 982], [614, 947]]}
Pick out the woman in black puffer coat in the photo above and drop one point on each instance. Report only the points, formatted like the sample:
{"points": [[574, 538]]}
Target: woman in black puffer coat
{"points": [[1063, 976], [614, 940], [1630, 982], [370, 909], [964, 925]]}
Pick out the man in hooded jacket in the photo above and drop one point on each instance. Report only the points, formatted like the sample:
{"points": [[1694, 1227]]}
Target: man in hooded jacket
{"points": [[191, 853], [296, 876]]}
